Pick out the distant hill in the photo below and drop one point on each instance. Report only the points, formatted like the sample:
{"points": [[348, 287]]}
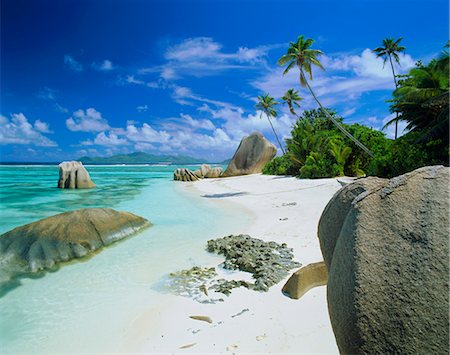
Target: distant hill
{"points": [[141, 158]]}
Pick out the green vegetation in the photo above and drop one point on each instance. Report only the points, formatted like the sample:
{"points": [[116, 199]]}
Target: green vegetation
{"points": [[301, 55], [292, 98], [317, 148]]}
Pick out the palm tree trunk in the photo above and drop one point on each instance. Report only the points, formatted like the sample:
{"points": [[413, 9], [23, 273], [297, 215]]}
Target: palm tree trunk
{"points": [[275, 133], [395, 82], [342, 129]]}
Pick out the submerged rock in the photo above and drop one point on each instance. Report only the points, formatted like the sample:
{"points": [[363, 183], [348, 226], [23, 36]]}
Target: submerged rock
{"points": [[73, 175], [388, 277], [269, 262], [252, 154], [44, 244]]}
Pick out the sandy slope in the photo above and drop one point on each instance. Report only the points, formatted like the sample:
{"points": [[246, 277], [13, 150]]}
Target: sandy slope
{"points": [[284, 210]]}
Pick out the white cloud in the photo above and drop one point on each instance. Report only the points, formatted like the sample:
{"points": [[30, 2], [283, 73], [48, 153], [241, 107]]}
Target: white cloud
{"points": [[71, 64], [130, 79], [146, 147], [104, 66], [60, 108], [197, 124], [110, 139], [142, 108], [146, 133], [202, 56], [87, 121], [346, 78], [41, 126], [18, 130], [46, 93]]}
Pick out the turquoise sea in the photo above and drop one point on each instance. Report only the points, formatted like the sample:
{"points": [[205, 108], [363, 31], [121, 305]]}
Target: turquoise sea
{"points": [[86, 306]]}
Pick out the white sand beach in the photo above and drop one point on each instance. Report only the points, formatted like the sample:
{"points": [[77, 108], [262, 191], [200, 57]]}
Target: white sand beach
{"points": [[284, 210]]}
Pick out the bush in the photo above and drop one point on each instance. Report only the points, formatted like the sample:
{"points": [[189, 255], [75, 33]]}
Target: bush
{"points": [[280, 166], [407, 153]]}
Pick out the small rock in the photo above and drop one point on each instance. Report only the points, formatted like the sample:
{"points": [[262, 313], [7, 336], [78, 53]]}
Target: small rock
{"points": [[187, 346], [232, 347], [261, 337], [202, 318]]}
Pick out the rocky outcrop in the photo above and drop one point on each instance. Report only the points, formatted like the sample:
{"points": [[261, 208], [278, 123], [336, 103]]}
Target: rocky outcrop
{"points": [[204, 172], [183, 174], [306, 278], [73, 175], [44, 244], [269, 262], [388, 276], [252, 154], [336, 211]]}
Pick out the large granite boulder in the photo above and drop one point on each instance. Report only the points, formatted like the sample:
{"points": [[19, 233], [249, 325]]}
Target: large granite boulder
{"points": [[252, 154], [43, 244], [183, 174], [336, 211], [73, 175], [388, 275], [206, 171]]}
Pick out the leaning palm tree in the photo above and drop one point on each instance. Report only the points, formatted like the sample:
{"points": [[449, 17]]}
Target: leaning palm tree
{"points": [[301, 55], [389, 50], [291, 98], [266, 104]]}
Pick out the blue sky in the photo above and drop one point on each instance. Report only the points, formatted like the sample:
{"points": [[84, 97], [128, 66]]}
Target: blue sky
{"points": [[181, 77]]}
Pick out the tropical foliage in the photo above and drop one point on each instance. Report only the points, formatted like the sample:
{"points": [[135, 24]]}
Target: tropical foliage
{"points": [[292, 98], [317, 147], [301, 55], [422, 99], [390, 49], [267, 105]]}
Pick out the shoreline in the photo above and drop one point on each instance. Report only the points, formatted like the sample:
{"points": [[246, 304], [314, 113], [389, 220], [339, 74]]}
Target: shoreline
{"points": [[280, 209]]}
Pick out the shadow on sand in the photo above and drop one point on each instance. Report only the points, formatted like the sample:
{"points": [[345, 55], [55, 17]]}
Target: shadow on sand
{"points": [[227, 194]]}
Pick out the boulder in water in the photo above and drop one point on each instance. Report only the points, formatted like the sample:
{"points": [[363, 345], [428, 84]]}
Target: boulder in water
{"points": [[73, 175], [43, 244]]}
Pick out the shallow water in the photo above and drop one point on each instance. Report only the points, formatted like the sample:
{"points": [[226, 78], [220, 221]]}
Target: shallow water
{"points": [[88, 306]]}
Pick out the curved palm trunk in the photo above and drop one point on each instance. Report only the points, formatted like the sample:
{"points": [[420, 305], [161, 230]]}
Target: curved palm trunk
{"points": [[275, 133], [342, 129], [396, 85]]}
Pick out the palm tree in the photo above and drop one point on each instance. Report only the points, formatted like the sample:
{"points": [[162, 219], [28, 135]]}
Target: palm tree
{"points": [[266, 103], [291, 98], [301, 55], [422, 99], [341, 153], [389, 50]]}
